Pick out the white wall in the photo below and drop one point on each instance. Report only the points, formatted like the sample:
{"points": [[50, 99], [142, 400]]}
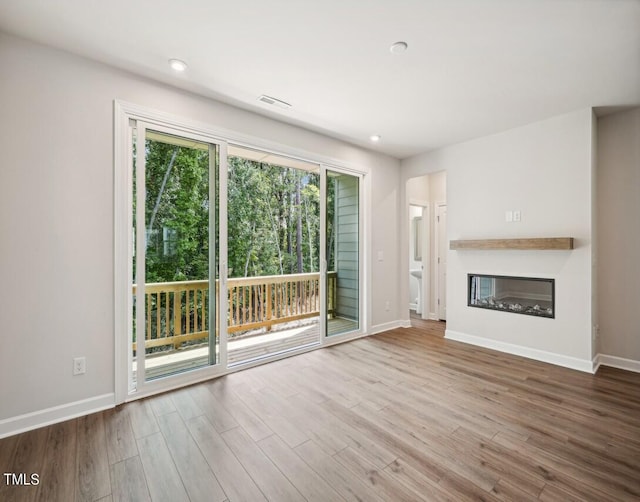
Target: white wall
{"points": [[56, 216], [544, 171], [618, 179]]}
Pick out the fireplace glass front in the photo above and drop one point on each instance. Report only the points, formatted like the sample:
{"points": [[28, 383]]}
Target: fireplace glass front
{"points": [[517, 295]]}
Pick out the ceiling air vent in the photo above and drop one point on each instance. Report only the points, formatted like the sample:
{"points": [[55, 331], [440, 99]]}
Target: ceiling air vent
{"points": [[274, 101]]}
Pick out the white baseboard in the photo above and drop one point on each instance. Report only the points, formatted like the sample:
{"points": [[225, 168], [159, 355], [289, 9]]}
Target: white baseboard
{"points": [[518, 350], [615, 362], [413, 306], [433, 316], [379, 328], [56, 414]]}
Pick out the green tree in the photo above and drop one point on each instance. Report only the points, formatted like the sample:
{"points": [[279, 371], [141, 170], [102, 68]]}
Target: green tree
{"points": [[273, 216]]}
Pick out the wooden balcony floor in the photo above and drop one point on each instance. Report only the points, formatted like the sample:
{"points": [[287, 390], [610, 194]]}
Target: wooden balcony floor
{"points": [[246, 348]]}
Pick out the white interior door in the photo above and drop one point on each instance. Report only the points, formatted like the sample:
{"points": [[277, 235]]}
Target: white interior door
{"points": [[441, 229]]}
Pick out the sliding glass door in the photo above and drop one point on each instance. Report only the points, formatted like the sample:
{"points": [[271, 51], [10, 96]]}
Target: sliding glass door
{"points": [[274, 254], [234, 255], [342, 200], [175, 255]]}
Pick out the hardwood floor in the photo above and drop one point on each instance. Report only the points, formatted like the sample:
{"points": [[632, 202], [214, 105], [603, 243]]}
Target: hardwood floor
{"points": [[401, 416]]}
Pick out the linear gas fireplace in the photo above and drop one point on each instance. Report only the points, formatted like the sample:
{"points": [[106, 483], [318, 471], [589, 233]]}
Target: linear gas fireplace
{"points": [[518, 295]]}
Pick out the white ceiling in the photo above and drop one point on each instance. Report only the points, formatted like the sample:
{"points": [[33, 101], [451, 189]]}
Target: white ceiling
{"points": [[473, 67]]}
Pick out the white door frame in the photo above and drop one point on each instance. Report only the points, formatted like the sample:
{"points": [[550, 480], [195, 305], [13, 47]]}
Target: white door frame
{"points": [[126, 119], [324, 339], [126, 115], [441, 294]]}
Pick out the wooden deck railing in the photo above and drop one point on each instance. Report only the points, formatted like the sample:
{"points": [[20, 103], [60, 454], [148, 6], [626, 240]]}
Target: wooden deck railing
{"points": [[177, 312]]}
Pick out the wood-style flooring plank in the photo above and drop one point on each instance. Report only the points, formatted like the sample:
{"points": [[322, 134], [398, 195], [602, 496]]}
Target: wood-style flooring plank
{"points": [[186, 404], [162, 404], [92, 472], [378, 480], [163, 480], [414, 480], [305, 479], [197, 477], [121, 443], [271, 415], [57, 479], [128, 482], [347, 484], [26, 459], [231, 474], [250, 422], [7, 450], [143, 420], [214, 411], [264, 473]]}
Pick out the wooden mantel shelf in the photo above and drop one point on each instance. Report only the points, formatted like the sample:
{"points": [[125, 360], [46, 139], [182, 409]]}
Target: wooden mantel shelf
{"points": [[541, 243]]}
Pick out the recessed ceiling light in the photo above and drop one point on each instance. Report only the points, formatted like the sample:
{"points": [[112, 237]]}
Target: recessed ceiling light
{"points": [[177, 65], [375, 138], [398, 47]]}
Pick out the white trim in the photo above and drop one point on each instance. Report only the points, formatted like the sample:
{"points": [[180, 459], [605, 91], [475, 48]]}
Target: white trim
{"points": [[323, 266], [223, 243], [222, 134], [121, 265], [518, 350], [141, 256], [365, 246], [426, 258], [400, 323], [176, 381], [615, 362], [55, 414], [433, 316], [437, 238]]}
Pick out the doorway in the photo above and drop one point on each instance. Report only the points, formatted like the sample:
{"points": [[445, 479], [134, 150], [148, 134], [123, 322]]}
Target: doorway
{"points": [[419, 270], [426, 199], [234, 255]]}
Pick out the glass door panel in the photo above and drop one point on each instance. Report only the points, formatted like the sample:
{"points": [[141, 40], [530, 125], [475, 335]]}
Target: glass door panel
{"points": [[273, 254], [175, 203], [342, 252]]}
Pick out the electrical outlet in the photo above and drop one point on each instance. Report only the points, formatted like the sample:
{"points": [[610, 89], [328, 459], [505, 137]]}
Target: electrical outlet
{"points": [[517, 216], [79, 365]]}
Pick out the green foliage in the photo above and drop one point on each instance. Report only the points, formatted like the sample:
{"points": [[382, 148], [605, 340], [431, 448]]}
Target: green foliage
{"points": [[176, 213], [263, 219], [269, 231]]}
